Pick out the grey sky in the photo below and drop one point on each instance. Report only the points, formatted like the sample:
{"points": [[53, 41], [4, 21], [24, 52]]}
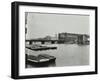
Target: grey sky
{"points": [[41, 25]]}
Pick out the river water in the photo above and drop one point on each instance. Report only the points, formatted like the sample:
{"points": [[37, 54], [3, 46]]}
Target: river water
{"points": [[66, 55]]}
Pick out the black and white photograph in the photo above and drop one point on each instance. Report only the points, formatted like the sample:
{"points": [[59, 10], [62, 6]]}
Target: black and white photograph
{"points": [[51, 40], [55, 40]]}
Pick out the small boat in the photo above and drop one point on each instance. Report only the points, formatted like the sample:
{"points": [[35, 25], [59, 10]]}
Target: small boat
{"points": [[42, 58]]}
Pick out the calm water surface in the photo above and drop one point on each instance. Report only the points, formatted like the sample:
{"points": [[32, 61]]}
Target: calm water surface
{"points": [[66, 54]]}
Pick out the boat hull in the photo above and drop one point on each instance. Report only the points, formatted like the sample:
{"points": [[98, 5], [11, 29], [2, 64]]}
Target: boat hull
{"points": [[47, 60]]}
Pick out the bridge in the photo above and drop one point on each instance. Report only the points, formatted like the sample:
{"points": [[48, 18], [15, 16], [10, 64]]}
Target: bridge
{"points": [[43, 41], [80, 39]]}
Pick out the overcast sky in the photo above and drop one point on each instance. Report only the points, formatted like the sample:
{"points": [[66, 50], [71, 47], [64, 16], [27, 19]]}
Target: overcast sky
{"points": [[41, 24]]}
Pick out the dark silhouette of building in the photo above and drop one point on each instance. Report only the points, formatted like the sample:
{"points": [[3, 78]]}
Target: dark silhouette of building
{"points": [[73, 38]]}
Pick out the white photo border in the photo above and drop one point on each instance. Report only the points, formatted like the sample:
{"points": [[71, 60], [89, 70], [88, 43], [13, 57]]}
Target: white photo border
{"points": [[54, 70]]}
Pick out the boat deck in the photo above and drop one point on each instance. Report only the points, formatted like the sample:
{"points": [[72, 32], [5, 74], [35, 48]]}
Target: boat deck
{"points": [[39, 47]]}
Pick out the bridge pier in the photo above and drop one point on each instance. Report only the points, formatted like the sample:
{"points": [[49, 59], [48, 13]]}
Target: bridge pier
{"points": [[42, 42], [52, 42], [30, 42]]}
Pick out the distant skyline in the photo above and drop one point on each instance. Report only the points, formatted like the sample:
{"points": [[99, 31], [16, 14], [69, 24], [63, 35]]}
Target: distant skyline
{"points": [[41, 24]]}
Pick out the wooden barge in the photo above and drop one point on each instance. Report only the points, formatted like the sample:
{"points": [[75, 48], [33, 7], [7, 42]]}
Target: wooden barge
{"points": [[40, 48], [40, 59]]}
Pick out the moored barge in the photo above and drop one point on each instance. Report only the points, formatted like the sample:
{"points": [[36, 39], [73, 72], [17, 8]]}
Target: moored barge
{"points": [[39, 47], [40, 59]]}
